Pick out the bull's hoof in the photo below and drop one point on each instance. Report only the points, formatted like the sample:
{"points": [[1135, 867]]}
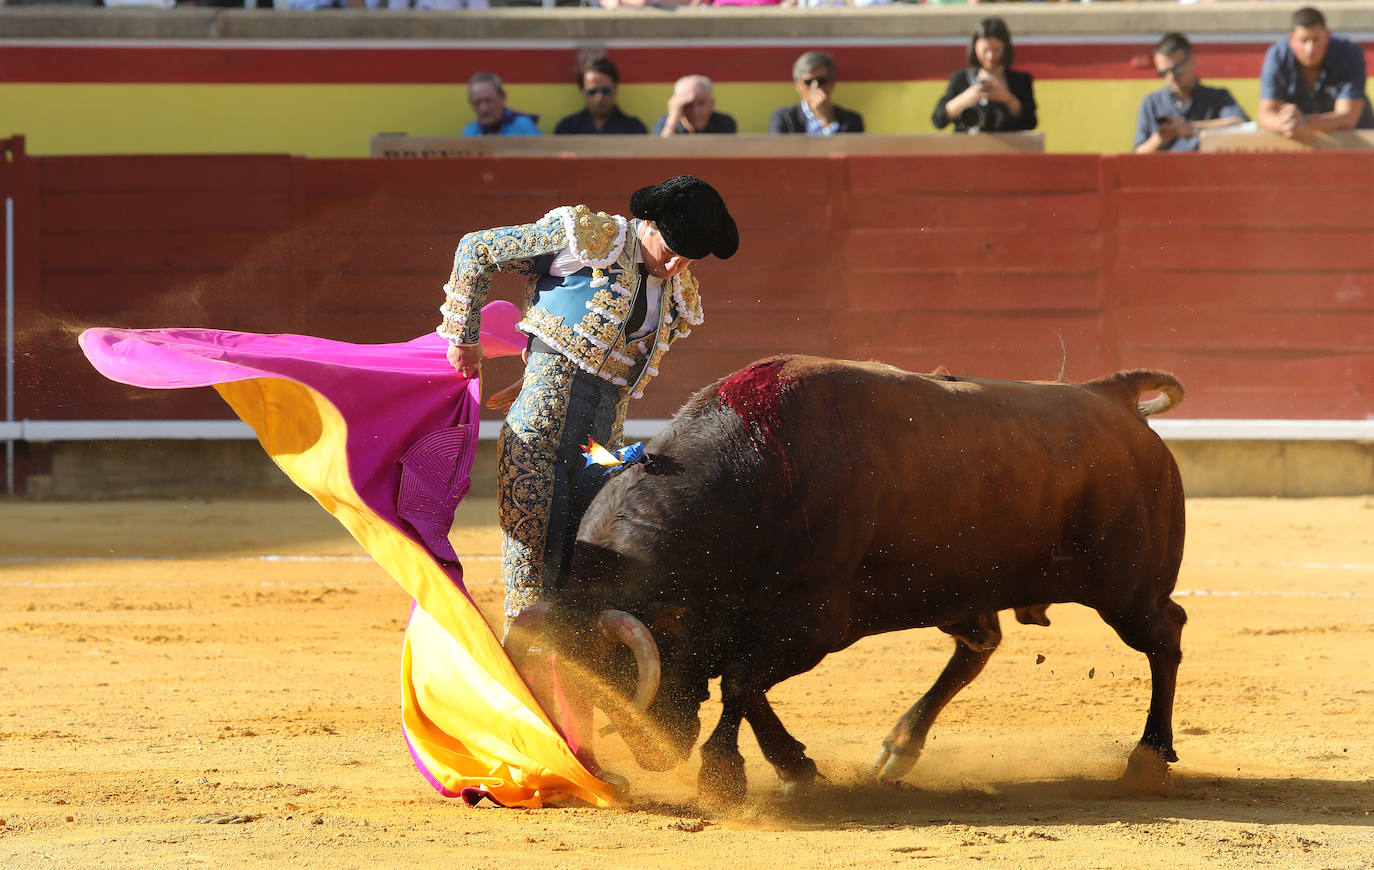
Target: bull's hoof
{"points": [[798, 778], [893, 762], [796, 791], [1033, 615], [1147, 771], [721, 781]]}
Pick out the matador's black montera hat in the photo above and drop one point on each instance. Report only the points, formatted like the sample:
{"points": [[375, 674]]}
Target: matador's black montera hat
{"points": [[690, 216]]}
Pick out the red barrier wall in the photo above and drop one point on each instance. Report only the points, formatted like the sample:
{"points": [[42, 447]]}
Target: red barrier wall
{"points": [[1251, 277]]}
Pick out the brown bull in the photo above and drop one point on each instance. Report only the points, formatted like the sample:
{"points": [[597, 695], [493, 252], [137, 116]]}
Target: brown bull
{"points": [[802, 504]]}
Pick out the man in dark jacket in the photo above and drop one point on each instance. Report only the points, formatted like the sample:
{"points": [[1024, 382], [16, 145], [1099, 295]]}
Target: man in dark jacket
{"points": [[599, 80], [815, 115], [692, 109]]}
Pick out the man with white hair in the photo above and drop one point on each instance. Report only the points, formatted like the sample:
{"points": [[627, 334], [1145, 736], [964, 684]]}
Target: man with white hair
{"points": [[487, 96], [692, 109]]}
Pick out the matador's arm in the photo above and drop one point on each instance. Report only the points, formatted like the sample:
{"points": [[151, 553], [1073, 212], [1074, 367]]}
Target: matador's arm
{"points": [[484, 252]]}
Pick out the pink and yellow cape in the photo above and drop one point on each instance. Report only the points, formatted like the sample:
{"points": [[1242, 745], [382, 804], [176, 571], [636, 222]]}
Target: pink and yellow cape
{"points": [[384, 437]]}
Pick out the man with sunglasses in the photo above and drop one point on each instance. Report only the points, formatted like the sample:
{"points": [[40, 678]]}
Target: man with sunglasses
{"points": [[1171, 117], [814, 76], [599, 80], [605, 299]]}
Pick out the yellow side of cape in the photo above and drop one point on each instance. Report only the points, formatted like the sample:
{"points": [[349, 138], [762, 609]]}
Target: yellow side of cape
{"points": [[469, 717]]}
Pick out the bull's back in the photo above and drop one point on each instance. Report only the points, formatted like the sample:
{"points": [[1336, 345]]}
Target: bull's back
{"points": [[960, 479], [1003, 429]]}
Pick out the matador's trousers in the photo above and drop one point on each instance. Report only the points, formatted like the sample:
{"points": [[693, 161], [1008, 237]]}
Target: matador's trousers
{"points": [[544, 484]]}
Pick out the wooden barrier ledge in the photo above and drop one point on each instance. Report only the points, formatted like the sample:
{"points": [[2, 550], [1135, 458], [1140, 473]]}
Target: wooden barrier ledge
{"points": [[745, 145]]}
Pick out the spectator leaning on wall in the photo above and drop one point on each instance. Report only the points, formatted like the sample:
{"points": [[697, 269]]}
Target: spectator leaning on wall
{"points": [[1313, 81], [487, 97], [1171, 117], [814, 76]]}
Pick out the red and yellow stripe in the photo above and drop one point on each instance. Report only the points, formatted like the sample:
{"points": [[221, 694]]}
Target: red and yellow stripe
{"points": [[327, 99]]}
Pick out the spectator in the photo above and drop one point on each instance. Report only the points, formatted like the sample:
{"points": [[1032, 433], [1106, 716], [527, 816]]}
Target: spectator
{"points": [[488, 100], [1313, 81], [428, 4], [1171, 117], [819, 3], [638, 4], [692, 109], [599, 81], [814, 75], [988, 95]]}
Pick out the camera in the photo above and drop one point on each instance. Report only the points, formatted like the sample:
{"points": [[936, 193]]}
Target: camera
{"points": [[975, 117], [1161, 120]]}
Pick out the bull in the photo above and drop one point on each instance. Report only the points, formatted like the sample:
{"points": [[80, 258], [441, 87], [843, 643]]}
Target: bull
{"points": [[801, 504]]}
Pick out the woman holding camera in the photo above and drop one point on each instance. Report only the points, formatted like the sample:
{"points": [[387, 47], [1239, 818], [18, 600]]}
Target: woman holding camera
{"points": [[987, 95]]}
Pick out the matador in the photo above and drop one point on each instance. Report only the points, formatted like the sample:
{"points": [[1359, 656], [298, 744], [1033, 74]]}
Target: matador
{"points": [[605, 299]]}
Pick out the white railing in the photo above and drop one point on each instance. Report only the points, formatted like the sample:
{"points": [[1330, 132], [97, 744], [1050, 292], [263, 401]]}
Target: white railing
{"points": [[217, 430]]}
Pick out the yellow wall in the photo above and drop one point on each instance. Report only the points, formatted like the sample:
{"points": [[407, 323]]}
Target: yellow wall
{"points": [[338, 120]]}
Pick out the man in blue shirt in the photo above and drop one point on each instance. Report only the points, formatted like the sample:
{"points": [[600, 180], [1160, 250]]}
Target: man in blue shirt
{"points": [[488, 100], [1313, 81], [1171, 117]]}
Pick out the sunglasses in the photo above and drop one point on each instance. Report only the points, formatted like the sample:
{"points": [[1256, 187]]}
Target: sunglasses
{"points": [[599, 92], [817, 82], [1175, 69]]}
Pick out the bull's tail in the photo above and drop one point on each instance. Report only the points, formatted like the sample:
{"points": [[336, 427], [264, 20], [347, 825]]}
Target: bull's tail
{"points": [[1128, 385]]}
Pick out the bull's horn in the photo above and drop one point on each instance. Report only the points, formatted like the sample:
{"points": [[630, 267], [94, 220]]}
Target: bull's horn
{"points": [[621, 626]]}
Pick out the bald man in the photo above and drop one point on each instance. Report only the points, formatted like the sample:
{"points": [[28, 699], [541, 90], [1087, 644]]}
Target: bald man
{"points": [[692, 109]]}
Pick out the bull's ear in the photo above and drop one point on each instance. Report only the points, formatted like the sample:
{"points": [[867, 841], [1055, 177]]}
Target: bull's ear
{"points": [[668, 620]]}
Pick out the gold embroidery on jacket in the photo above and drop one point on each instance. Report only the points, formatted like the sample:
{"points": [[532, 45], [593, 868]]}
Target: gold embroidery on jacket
{"points": [[594, 233], [596, 343]]}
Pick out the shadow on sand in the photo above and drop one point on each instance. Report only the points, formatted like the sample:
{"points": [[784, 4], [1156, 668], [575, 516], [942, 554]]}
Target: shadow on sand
{"points": [[1073, 801]]}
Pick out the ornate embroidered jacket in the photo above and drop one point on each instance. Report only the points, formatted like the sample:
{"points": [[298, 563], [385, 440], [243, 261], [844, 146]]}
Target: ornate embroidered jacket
{"points": [[582, 315]]}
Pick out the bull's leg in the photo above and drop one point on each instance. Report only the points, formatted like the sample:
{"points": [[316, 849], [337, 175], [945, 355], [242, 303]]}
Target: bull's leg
{"points": [[1156, 631], [980, 632], [721, 778], [786, 753], [903, 744]]}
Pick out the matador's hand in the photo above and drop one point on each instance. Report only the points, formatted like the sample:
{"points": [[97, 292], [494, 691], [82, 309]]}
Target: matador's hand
{"points": [[466, 359]]}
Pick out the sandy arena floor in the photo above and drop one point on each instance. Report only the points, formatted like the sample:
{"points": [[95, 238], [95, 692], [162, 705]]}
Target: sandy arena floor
{"points": [[215, 683]]}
